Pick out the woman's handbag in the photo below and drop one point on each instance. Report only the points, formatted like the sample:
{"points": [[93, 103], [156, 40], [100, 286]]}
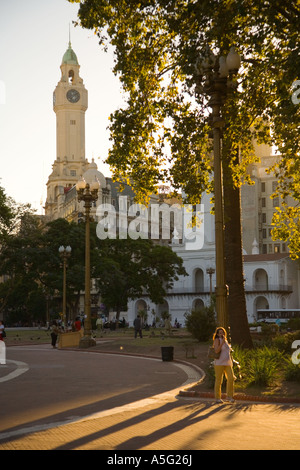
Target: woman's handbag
{"points": [[212, 353]]}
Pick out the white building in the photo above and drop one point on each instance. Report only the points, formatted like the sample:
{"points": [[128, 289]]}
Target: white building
{"points": [[271, 280]]}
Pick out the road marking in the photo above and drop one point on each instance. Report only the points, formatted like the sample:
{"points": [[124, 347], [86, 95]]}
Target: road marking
{"points": [[22, 367]]}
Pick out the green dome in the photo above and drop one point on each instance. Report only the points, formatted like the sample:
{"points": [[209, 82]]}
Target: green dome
{"points": [[70, 56]]}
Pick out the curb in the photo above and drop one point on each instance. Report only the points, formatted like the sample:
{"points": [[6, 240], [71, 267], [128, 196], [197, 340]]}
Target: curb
{"points": [[240, 397]]}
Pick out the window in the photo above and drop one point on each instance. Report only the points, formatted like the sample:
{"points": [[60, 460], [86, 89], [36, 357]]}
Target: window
{"points": [[277, 248], [73, 122], [73, 172], [263, 187], [71, 76], [276, 202], [264, 217], [264, 233], [263, 202]]}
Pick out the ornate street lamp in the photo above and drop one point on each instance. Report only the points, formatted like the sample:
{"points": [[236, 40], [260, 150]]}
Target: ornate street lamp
{"points": [[218, 74], [65, 253], [210, 272], [88, 193]]}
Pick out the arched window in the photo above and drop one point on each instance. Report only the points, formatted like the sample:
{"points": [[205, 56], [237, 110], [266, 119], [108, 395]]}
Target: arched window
{"points": [[198, 304], [71, 76], [199, 280], [260, 303], [260, 279], [140, 306]]}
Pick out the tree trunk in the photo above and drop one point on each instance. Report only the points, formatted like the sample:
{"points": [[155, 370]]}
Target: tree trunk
{"points": [[237, 311]]}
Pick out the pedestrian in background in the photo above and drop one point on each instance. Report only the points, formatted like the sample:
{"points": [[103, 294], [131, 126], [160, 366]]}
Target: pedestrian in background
{"points": [[77, 324], [223, 365], [137, 326], [2, 332], [54, 334], [99, 324]]}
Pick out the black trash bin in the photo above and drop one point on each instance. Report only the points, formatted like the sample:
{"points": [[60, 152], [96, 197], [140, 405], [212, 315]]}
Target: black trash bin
{"points": [[167, 353]]}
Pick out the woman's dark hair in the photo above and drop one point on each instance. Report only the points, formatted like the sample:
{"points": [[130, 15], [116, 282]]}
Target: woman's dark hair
{"points": [[216, 332]]}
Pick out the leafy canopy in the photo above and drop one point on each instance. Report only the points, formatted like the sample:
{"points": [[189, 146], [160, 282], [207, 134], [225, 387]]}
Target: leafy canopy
{"points": [[162, 134]]}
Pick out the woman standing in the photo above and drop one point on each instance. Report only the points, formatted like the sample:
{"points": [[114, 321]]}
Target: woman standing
{"points": [[223, 365]]}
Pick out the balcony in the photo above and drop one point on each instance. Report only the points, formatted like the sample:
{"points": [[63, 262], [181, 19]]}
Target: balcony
{"points": [[189, 291], [280, 288]]}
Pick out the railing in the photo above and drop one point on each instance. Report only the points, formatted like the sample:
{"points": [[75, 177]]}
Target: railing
{"points": [[248, 289], [269, 288], [189, 291]]}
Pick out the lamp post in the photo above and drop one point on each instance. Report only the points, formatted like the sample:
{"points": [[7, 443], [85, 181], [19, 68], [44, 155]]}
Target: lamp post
{"points": [[210, 272], [65, 253], [218, 73], [88, 194]]}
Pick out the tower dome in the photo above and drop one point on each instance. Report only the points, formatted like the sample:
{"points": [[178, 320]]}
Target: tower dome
{"points": [[70, 56], [93, 174]]}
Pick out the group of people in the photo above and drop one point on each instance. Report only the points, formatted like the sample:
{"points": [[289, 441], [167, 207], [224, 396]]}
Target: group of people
{"points": [[55, 330]]}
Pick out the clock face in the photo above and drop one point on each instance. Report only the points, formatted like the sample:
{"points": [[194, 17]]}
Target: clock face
{"points": [[73, 96]]}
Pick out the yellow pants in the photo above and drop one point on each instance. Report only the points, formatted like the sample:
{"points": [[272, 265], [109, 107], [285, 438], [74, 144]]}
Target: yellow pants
{"points": [[219, 373]]}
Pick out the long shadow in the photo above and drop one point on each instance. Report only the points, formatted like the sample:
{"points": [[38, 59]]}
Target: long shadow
{"points": [[139, 441]]}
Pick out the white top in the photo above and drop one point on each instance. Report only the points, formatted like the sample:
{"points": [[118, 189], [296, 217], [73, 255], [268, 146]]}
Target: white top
{"points": [[225, 357]]}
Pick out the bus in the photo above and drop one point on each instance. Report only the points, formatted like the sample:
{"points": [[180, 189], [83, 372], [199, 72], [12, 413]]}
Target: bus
{"points": [[282, 315]]}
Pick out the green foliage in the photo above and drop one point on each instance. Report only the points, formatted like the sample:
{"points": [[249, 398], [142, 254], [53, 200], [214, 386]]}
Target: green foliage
{"points": [[293, 324], [201, 323], [269, 332], [240, 354], [6, 213], [284, 342], [291, 371], [261, 371], [259, 366]]}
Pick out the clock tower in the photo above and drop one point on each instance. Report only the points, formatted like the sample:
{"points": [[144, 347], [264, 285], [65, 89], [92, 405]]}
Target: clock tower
{"points": [[70, 102]]}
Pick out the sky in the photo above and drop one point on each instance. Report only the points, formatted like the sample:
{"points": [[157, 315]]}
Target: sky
{"points": [[34, 35]]}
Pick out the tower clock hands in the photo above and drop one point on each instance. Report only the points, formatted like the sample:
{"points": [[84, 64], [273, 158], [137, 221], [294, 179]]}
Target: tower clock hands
{"points": [[73, 96]]}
